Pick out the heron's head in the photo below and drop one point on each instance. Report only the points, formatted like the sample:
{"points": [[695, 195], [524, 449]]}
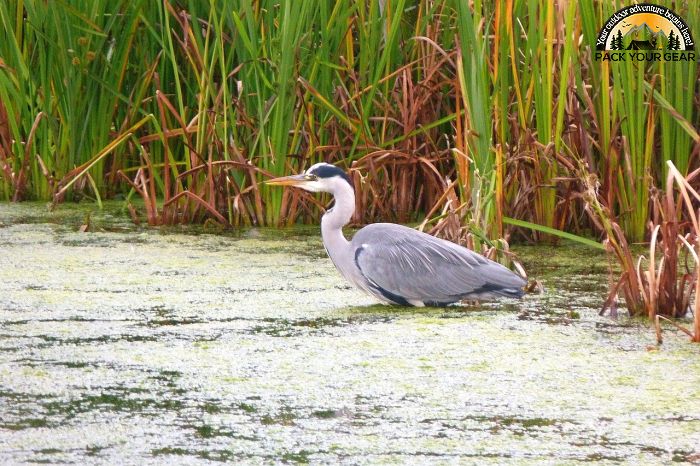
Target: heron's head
{"points": [[322, 177]]}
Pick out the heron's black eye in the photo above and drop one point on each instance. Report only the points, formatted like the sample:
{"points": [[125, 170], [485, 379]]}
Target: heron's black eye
{"points": [[310, 177]]}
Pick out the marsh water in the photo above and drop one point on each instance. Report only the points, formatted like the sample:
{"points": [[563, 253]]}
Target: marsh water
{"points": [[127, 345]]}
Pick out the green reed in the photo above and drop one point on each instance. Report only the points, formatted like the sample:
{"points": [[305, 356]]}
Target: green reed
{"points": [[63, 61], [643, 113], [503, 98]]}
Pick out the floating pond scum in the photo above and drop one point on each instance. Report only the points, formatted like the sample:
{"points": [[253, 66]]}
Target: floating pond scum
{"points": [[142, 346]]}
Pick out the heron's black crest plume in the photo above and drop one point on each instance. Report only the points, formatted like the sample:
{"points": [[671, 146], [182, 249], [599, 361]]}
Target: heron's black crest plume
{"points": [[329, 171]]}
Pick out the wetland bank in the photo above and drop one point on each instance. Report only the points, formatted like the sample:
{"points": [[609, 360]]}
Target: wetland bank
{"points": [[145, 346]]}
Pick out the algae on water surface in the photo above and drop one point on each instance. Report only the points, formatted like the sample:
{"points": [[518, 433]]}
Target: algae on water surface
{"points": [[128, 345]]}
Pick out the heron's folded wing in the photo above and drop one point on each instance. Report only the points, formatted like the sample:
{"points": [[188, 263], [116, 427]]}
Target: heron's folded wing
{"points": [[417, 266]]}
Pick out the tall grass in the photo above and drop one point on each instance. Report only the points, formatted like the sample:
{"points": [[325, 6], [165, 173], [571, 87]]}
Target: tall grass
{"points": [[663, 288], [483, 111], [64, 63], [644, 115]]}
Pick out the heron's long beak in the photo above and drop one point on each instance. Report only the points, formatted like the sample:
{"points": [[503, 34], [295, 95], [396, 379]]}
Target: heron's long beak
{"points": [[292, 180]]}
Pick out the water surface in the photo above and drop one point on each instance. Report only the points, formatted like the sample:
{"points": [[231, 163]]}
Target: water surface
{"points": [[146, 346]]}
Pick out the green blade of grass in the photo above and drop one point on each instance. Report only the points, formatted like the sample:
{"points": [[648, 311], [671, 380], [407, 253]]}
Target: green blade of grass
{"points": [[553, 232]]}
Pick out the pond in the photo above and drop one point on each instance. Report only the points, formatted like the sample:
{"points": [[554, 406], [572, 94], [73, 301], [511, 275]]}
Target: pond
{"points": [[146, 346]]}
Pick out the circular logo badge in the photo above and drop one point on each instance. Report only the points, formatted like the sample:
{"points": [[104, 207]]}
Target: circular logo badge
{"points": [[645, 27]]}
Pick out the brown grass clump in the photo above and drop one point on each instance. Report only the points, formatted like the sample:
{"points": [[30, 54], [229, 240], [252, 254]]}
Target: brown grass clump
{"points": [[660, 287]]}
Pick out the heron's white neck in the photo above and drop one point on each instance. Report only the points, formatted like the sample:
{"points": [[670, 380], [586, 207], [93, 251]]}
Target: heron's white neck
{"points": [[333, 220]]}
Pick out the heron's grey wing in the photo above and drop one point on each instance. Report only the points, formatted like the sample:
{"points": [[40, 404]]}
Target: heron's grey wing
{"points": [[407, 265]]}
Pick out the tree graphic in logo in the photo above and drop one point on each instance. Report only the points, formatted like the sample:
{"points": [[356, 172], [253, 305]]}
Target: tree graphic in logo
{"points": [[616, 43], [674, 42]]}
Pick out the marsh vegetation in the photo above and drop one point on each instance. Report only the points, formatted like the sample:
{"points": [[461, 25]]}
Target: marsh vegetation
{"points": [[493, 110]]}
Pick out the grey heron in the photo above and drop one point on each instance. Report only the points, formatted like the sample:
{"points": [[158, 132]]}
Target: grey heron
{"points": [[397, 264]]}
